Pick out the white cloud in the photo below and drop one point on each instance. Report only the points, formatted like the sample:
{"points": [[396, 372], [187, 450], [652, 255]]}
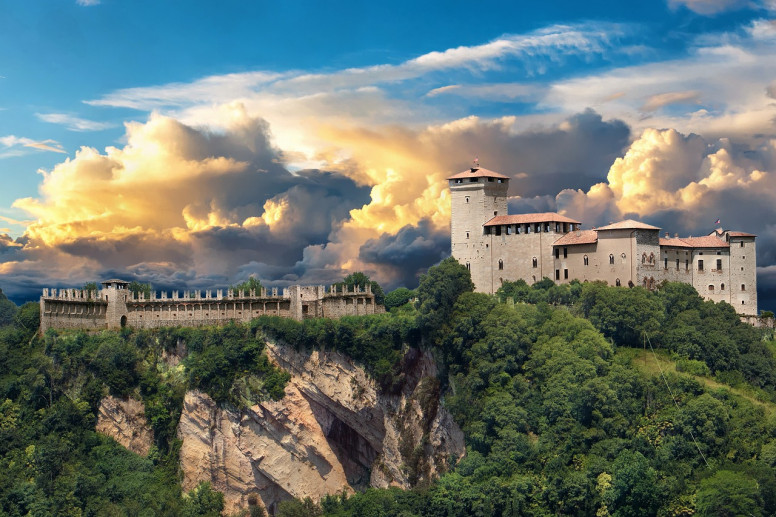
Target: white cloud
{"points": [[87, 3], [16, 146], [73, 123]]}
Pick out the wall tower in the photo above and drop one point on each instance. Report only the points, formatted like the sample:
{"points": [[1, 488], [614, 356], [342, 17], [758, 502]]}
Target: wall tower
{"points": [[477, 195]]}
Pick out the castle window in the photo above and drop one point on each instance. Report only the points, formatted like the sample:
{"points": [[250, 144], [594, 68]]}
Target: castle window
{"points": [[611, 259], [742, 244], [719, 253], [623, 257], [498, 230], [495, 213], [472, 180], [538, 228], [546, 227], [565, 228], [557, 274], [557, 252], [643, 258], [500, 180], [700, 265], [665, 263], [651, 258], [527, 228], [557, 227], [677, 264], [518, 229], [743, 287], [722, 287], [491, 180], [565, 252], [468, 266], [686, 265], [467, 235], [587, 261], [566, 274], [719, 264], [459, 181], [617, 282], [467, 199], [711, 288], [535, 262], [500, 264]]}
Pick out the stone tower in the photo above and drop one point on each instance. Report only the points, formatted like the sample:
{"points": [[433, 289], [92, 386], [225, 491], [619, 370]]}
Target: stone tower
{"points": [[116, 293], [478, 195]]}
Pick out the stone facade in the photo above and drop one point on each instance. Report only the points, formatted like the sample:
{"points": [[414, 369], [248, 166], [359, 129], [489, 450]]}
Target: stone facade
{"points": [[114, 306], [496, 247]]}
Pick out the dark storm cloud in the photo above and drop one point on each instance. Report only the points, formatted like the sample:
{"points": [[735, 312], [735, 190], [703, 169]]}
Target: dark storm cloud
{"points": [[410, 252]]}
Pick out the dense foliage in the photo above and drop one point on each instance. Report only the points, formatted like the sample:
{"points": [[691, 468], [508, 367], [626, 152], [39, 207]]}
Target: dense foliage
{"points": [[565, 407], [54, 463]]}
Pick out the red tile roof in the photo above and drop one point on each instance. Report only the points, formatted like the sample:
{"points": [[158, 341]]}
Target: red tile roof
{"points": [[673, 241], [546, 217], [741, 234], [477, 172], [709, 241], [628, 224], [578, 237]]}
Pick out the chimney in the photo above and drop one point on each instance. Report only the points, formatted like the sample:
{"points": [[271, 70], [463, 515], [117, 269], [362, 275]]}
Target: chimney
{"points": [[676, 235], [668, 235]]}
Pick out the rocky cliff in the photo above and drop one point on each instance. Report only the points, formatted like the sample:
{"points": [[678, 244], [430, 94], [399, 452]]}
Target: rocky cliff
{"points": [[124, 420], [333, 431]]}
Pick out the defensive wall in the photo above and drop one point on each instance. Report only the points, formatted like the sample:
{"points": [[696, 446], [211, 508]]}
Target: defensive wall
{"points": [[115, 306]]}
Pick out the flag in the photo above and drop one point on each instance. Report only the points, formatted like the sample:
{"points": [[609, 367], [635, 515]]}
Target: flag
{"points": [[717, 221]]}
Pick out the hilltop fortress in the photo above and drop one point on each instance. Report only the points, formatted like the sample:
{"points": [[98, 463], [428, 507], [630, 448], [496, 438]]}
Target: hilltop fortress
{"points": [[496, 246], [115, 306]]}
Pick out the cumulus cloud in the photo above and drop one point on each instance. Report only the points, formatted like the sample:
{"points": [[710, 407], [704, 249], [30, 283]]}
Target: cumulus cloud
{"points": [[684, 183]]}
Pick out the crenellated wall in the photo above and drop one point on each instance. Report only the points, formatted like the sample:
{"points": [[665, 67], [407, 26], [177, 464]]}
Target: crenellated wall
{"points": [[114, 307]]}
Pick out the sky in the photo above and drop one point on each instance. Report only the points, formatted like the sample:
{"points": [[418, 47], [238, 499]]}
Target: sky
{"points": [[194, 144]]}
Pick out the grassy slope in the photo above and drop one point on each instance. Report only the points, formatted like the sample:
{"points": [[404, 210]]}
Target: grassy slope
{"points": [[652, 363]]}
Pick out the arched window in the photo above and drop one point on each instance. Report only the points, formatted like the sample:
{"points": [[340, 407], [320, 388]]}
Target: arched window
{"points": [[651, 258], [645, 282], [611, 259], [535, 262], [643, 258], [587, 261], [617, 282], [722, 287], [711, 287], [500, 264], [468, 266]]}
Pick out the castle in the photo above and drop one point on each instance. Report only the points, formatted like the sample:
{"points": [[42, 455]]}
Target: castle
{"points": [[496, 246], [115, 306]]}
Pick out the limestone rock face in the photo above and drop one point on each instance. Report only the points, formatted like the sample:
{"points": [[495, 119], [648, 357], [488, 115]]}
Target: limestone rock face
{"points": [[333, 431], [124, 420]]}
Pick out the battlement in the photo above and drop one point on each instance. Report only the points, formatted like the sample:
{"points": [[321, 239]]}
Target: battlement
{"points": [[116, 306]]}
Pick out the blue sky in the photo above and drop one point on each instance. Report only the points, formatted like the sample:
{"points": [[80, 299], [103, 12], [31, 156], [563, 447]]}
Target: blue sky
{"points": [[148, 139]]}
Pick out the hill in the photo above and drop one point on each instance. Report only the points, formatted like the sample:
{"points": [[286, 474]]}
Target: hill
{"points": [[548, 383]]}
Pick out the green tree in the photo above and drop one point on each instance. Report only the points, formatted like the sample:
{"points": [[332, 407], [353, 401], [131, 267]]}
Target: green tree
{"points": [[203, 501], [398, 297], [359, 279], [252, 284], [7, 310], [729, 494], [142, 290], [438, 291]]}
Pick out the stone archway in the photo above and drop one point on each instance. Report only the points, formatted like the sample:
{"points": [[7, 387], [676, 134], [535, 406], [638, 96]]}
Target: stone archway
{"points": [[123, 321]]}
